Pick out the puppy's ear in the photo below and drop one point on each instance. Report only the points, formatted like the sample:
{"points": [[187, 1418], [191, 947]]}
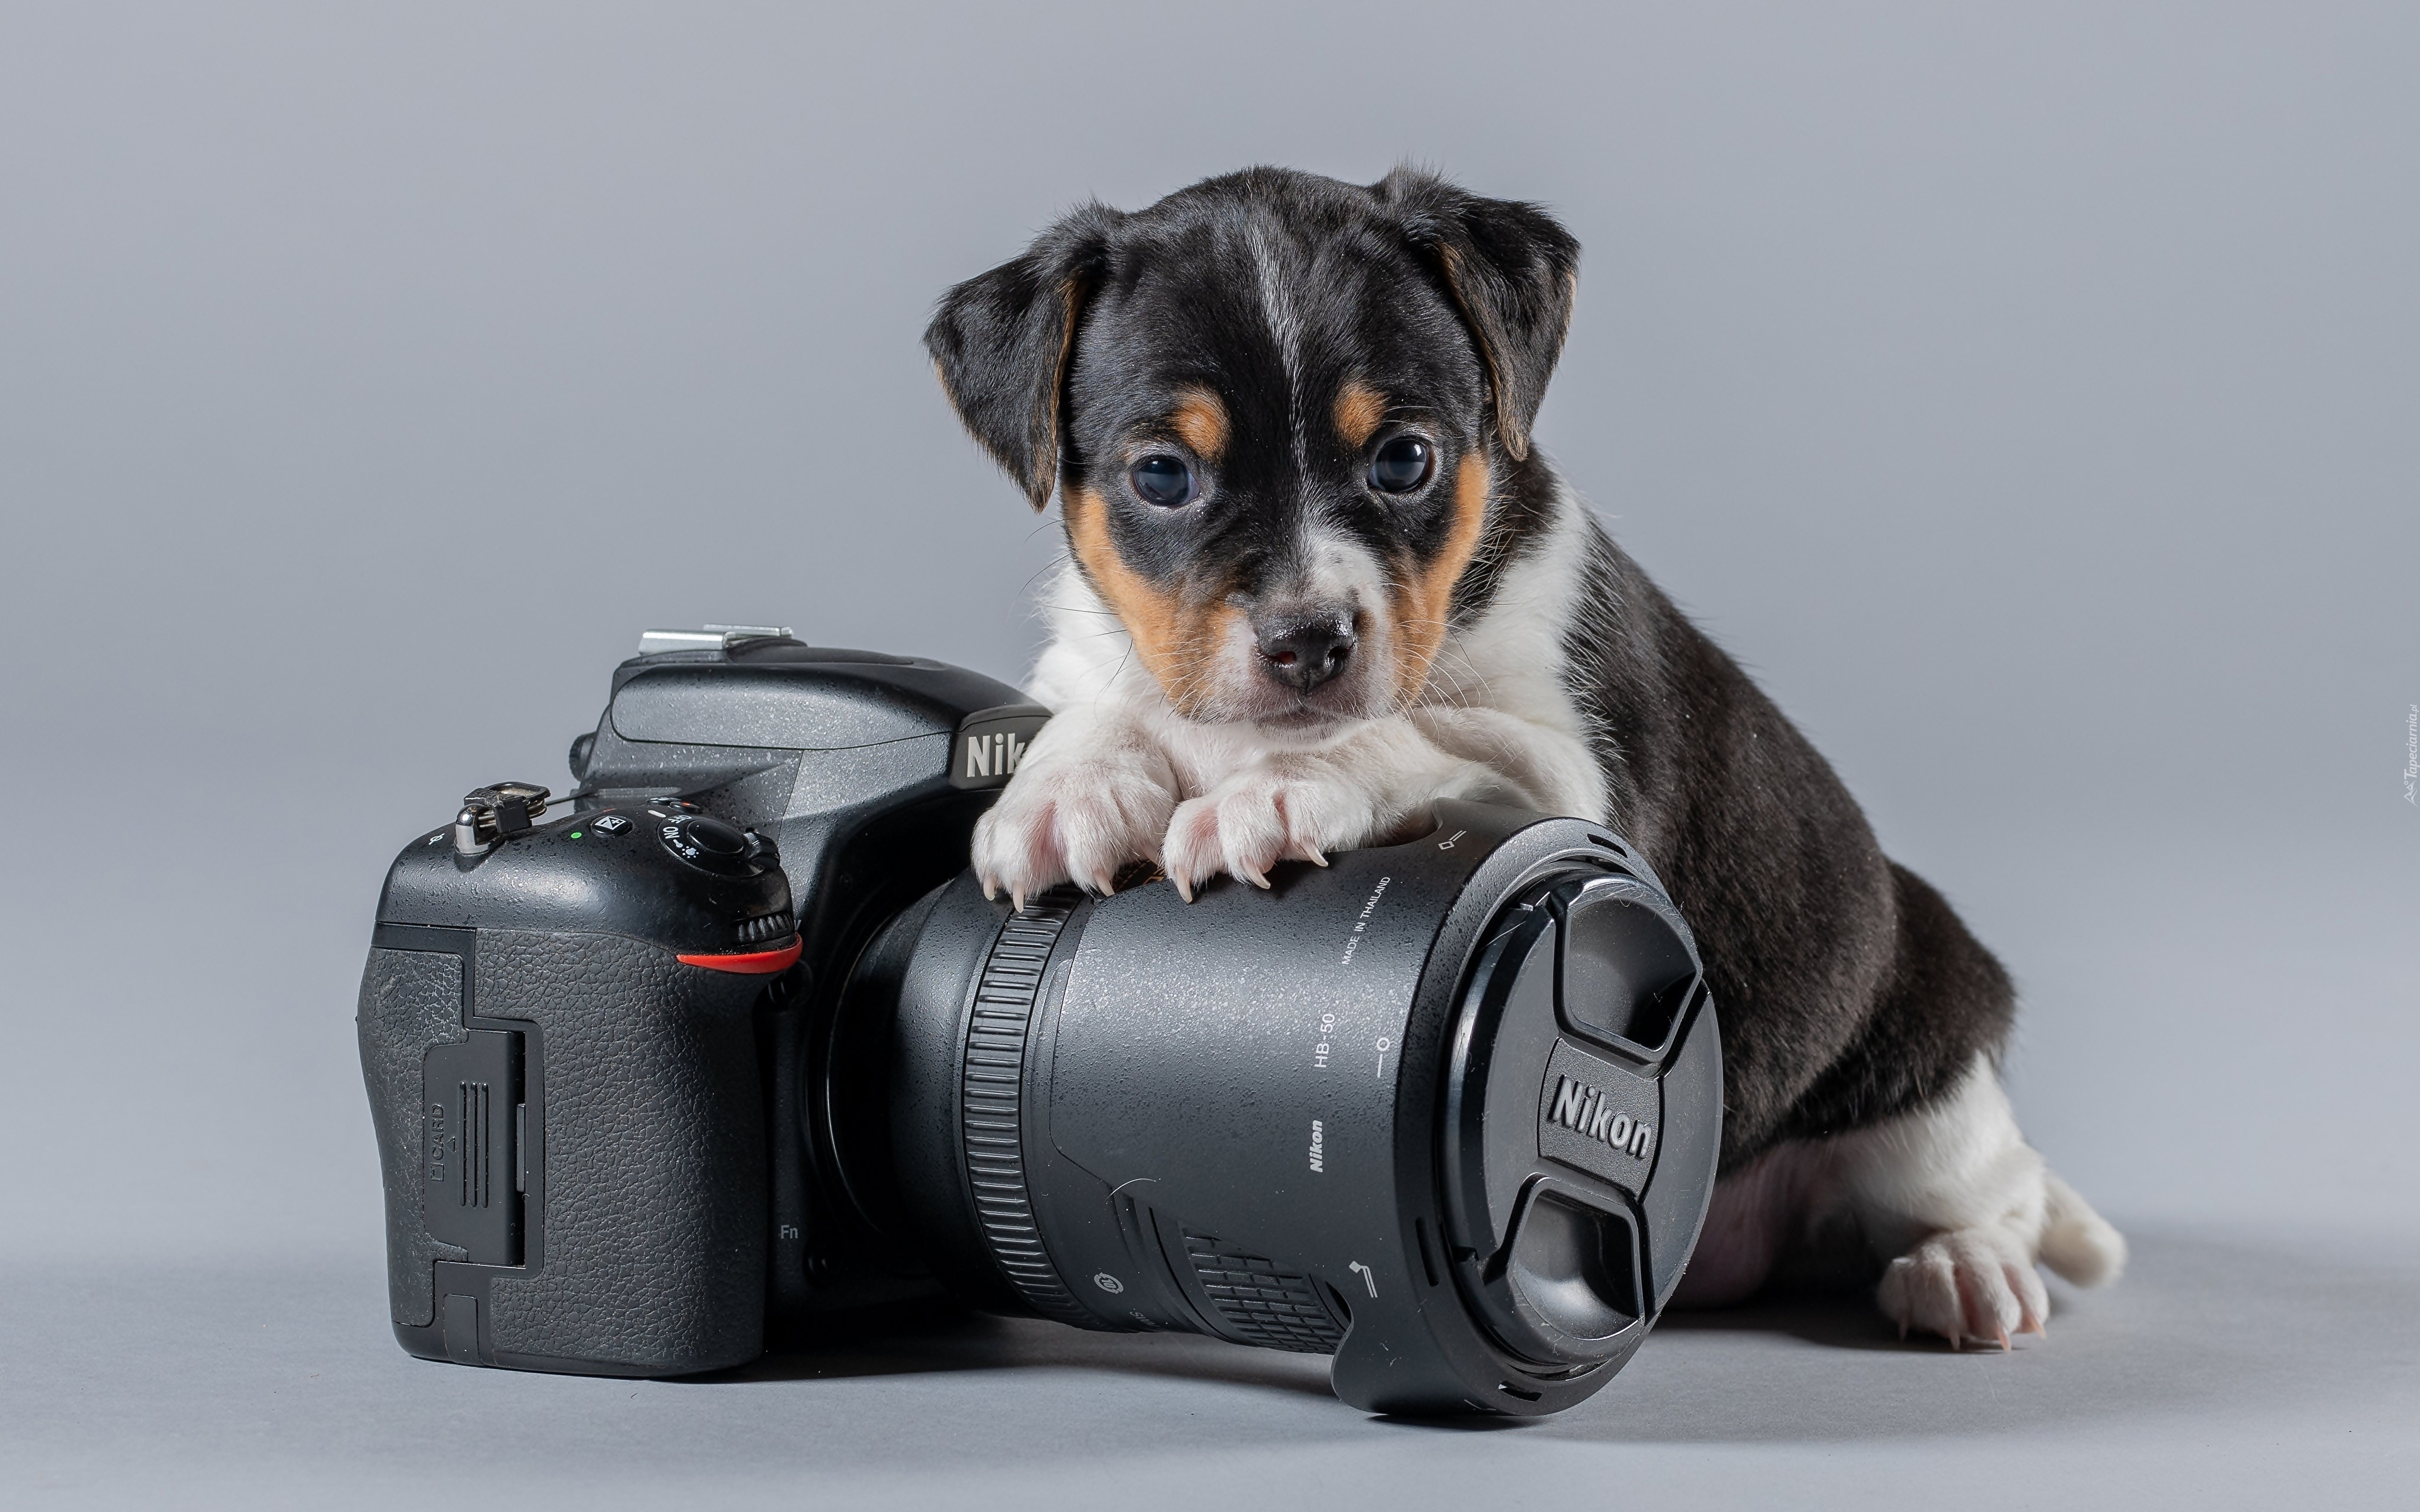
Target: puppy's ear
{"points": [[1001, 343], [1511, 268]]}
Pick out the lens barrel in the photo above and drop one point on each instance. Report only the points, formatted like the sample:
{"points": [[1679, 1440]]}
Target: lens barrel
{"points": [[1448, 1110]]}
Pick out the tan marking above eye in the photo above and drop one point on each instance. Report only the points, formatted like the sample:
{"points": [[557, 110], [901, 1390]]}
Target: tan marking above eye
{"points": [[1359, 409], [1176, 636], [1200, 421], [1420, 599]]}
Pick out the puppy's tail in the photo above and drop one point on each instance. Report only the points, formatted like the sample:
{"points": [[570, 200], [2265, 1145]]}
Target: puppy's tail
{"points": [[2076, 1241]]}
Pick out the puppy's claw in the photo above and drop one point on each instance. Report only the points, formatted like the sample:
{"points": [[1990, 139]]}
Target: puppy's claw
{"points": [[1073, 816], [1967, 1286], [1270, 813]]}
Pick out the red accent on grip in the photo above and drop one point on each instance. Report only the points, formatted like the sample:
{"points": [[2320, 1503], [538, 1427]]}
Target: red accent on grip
{"points": [[757, 963]]}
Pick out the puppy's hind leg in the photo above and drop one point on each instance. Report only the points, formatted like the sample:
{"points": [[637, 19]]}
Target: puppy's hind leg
{"points": [[1967, 1207]]}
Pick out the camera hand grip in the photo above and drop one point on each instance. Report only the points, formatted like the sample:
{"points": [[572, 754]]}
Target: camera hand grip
{"points": [[644, 1243]]}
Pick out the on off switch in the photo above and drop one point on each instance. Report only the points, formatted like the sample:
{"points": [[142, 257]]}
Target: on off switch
{"points": [[711, 846], [715, 837]]}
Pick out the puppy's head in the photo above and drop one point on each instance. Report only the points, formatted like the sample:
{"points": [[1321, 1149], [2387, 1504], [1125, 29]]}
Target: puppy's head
{"points": [[1278, 411]]}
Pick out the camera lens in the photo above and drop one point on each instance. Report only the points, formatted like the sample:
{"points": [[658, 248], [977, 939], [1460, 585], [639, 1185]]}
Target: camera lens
{"points": [[1448, 1110]]}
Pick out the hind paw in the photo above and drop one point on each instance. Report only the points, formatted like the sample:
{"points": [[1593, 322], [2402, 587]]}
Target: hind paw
{"points": [[1975, 1284]]}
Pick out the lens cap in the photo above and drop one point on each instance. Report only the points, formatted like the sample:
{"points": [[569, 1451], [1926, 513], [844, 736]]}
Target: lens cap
{"points": [[1576, 1052], [1625, 967]]}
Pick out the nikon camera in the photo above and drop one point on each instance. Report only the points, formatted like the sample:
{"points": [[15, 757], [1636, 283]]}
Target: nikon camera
{"points": [[727, 1052]]}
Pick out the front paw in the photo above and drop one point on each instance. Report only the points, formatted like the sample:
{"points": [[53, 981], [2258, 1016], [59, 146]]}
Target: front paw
{"points": [[1969, 1284], [1258, 817], [1071, 821]]}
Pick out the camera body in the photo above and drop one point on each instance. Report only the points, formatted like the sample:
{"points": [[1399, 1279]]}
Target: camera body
{"points": [[738, 1051], [637, 1189]]}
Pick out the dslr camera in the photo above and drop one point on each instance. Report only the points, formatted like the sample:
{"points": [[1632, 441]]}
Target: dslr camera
{"points": [[727, 1051]]}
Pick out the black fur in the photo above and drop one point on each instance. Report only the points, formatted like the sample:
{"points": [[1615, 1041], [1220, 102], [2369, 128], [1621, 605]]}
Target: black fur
{"points": [[1850, 991], [1451, 304], [1002, 344], [1512, 272]]}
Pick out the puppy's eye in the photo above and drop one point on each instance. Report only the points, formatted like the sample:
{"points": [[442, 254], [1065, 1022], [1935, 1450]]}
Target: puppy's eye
{"points": [[1162, 479], [1401, 465]]}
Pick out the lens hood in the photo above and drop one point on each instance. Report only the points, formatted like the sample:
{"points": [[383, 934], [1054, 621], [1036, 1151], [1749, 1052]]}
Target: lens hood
{"points": [[1449, 1109]]}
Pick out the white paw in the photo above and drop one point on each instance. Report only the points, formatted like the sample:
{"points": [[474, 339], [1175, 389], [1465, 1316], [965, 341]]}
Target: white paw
{"points": [[1073, 820], [2077, 1243], [1274, 812], [1970, 1284]]}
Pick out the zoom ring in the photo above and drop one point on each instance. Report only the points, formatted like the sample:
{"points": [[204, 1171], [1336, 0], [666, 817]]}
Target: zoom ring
{"points": [[992, 1106]]}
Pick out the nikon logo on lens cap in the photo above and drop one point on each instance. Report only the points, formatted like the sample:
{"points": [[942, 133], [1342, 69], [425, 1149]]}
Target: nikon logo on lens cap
{"points": [[1599, 1117]]}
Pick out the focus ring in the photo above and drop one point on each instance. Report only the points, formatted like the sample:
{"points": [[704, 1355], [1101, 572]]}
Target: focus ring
{"points": [[991, 1109]]}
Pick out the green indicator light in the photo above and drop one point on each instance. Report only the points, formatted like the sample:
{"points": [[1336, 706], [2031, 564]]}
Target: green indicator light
{"points": [[575, 834]]}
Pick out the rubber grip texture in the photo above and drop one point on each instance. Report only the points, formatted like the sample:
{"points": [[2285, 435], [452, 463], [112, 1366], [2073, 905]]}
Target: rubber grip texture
{"points": [[411, 999], [993, 1103], [647, 1228], [653, 1149]]}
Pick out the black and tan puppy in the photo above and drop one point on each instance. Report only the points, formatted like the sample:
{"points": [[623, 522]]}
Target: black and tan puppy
{"points": [[1319, 578]]}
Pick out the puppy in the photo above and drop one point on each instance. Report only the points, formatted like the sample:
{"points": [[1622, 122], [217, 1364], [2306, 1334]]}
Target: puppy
{"points": [[1318, 578]]}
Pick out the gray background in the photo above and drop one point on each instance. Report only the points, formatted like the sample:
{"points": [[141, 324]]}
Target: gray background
{"points": [[2026, 394]]}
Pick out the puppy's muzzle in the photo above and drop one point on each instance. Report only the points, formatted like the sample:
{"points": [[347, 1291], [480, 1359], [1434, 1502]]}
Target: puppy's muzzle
{"points": [[1302, 651]]}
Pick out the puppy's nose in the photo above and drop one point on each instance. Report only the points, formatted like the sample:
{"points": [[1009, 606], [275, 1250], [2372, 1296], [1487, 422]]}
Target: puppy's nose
{"points": [[1304, 650]]}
